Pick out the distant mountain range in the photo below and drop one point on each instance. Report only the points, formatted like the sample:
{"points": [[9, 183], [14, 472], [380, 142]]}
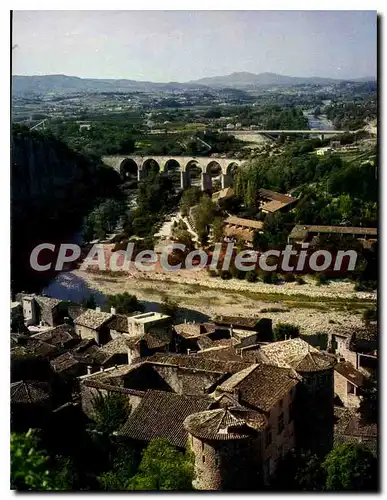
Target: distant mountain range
{"points": [[245, 79], [25, 85]]}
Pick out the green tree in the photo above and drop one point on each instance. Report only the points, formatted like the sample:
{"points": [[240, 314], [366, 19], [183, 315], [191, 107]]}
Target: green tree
{"points": [[110, 412], [123, 468], [163, 467], [124, 303], [169, 307], [217, 230], [30, 466], [299, 471], [350, 467], [284, 331]]}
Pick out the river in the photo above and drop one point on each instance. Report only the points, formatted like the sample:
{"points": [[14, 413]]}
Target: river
{"points": [[66, 286]]}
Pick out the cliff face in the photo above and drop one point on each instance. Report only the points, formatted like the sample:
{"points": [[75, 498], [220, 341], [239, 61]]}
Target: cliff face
{"points": [[44, 169], [52, 188]]}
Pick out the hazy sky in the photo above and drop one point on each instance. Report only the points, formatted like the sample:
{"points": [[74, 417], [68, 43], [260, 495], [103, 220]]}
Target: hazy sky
{"points": [[186, 45]]}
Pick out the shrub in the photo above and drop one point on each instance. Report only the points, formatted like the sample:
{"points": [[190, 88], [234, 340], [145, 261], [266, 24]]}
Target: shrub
{"points": [[370, 314], [300, 280], [212, 273], [284, 331], [321, 279], [251, 276], [225, 275], [288, 277]]}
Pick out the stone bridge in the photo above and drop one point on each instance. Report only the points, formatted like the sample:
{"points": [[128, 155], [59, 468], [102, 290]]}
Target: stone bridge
{"points": [[208, 167]]}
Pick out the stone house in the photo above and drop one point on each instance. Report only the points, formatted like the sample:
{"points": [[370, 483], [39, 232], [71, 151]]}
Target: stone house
{"points": [[141, 324], [41, 310], [348, 384], [161, 414], [269, 390], [93, 324]]}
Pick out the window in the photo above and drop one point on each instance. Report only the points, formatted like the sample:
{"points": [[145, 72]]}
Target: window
{"points": [[204, 459], [202, 446], [280, 423], [351, 388], [267, 437], [281, 404]]}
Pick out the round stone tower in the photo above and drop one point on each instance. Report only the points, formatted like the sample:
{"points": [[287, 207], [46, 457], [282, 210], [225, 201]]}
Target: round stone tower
{"points": [[313, 404], [227, 444]]}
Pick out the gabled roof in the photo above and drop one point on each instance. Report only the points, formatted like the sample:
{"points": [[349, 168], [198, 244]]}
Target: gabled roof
{"points": [[58, 335], [348, 371], [297, 354], [33, 347], [161, 414], [225, 424], [244, 223], [197, 362], [47, 302], [29, 391], [93, 319], [260, 386]]}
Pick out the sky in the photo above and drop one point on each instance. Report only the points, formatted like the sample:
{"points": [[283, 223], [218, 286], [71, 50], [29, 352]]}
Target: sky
{"points": [[162, 46]]}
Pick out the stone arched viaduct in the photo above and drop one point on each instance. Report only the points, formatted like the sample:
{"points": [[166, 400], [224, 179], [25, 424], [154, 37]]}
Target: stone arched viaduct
{"points": [[182, 164]]}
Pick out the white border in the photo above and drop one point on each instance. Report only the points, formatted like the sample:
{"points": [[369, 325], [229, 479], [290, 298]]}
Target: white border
{"points": [[5, 181]]}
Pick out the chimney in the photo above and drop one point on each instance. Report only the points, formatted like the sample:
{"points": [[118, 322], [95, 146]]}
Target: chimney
{"points": [[88, 369], [188, 351], [66, 320], [231, 331], [98, 309], [112, 310], [101, 369]]}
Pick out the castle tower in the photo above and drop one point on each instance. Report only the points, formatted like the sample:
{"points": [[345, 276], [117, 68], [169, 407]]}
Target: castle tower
{"points": [[227, 444], [314, 403]]}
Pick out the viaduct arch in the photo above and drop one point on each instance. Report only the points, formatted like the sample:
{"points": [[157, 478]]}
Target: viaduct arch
{"points": [[209, 168]]}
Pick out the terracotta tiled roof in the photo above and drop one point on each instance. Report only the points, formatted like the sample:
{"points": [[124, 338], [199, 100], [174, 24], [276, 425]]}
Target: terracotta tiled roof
{"points": [[297, 354], [348, 371], [29, 391], [64, 362], [224, 193], [188, 330], [156, 339], [119, 323], [226, 353], [93, 319], [225, 424], [48, 302], [197, 362], [244, 223], [274, 196], [260, 386], [119, 345], [75, 310], [301, 231], [161, 414], [33, 347], [58, 335]]}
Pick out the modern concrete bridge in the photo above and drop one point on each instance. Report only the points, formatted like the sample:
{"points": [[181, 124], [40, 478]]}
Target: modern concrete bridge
{"points": [[321, 133], [209, 167]]}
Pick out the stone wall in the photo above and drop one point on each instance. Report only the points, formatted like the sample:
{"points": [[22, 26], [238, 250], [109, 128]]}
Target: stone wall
{"points": [[227, 464], [281, 441], [89, 393], [341, 390], [186, 381]]}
